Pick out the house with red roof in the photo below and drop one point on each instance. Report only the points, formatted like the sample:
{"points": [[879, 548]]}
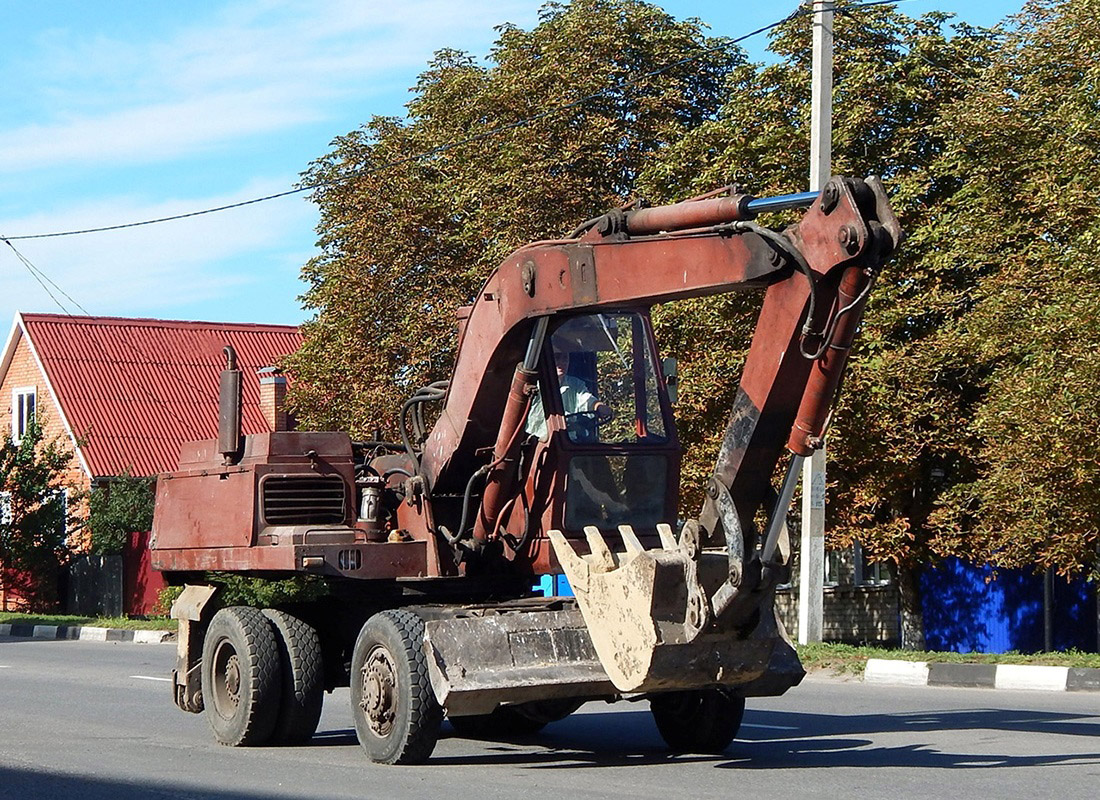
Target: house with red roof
{"points": [[126, 393]]}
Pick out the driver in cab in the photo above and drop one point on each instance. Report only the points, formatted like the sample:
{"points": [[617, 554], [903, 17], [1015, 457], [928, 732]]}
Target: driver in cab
{"points": [[576, 400]]}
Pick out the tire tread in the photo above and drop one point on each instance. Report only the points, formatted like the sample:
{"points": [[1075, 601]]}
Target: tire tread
{"points": [[302, 678], [261, 657]]}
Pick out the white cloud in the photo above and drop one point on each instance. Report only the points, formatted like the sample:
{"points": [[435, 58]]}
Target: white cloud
{"points": [[157, 270], [148, 133], [251, 68]]}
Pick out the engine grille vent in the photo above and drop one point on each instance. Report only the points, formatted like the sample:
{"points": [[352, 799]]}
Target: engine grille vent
{"points": [[305, 500]]}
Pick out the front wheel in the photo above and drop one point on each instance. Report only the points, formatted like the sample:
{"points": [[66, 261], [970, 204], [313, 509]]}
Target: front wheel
{"points": [[397, 717], [697, 721]]}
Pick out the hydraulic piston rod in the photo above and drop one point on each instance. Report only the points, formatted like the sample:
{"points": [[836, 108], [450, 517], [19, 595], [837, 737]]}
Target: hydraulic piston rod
{"points": [[783, 202]]}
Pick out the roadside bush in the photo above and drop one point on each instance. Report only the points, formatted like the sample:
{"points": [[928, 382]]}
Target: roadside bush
{"points": [[165, 598], [122, 507], [243, 590]]}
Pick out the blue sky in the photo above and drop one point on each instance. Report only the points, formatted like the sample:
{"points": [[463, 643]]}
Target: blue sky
{"points": [[128, 110]]}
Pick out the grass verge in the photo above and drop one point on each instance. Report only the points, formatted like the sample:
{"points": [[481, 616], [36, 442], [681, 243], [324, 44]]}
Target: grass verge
{"points": [[154, 624], [846, 659]]}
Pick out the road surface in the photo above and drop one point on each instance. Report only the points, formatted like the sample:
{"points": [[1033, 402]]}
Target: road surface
{"points": [[95, 720]]}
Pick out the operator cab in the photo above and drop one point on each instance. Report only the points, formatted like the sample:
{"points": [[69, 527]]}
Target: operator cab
{"points": [[603, 410]]}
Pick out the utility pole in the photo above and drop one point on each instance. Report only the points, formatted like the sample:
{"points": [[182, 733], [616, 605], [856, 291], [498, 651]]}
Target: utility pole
{"points": [[811, 583]]}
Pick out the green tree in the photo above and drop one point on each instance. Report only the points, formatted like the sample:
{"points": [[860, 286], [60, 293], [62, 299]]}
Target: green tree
{"points": [[402, 248], [901, 414], [1026, 138], [121, 507], [33, 533]]}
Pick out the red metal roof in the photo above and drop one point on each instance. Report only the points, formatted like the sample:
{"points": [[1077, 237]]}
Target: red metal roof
{"points": [[135, 389]]}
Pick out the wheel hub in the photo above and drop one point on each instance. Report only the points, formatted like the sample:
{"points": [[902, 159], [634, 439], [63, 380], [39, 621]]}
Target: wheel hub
{"points": [[233, 679], [379, 691], [227, 678]]}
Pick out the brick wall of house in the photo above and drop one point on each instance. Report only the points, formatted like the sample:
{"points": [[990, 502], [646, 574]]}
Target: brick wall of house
{"points": [[23, 372], [852, 614]]}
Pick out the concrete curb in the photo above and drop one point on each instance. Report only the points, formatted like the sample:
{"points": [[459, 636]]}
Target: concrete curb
{"points": [[991, 676], [86, 633]]}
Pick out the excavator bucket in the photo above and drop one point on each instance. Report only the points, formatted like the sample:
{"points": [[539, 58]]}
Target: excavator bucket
{"points": [[647, 613]]}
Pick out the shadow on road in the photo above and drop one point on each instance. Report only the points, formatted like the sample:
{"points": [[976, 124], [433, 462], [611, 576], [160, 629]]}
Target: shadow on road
{"points": [[783, 739], [18, 784], [985, 719]]}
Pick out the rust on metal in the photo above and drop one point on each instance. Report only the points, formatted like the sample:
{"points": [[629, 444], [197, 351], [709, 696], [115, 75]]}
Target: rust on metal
{"points": [[500, 480], [190, 610], [689, 214]]}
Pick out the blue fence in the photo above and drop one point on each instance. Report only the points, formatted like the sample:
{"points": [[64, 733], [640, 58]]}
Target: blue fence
{"points": [[967, 610]]}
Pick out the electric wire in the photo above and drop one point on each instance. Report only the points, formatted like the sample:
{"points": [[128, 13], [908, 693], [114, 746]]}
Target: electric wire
{"points": [[42, 278]]}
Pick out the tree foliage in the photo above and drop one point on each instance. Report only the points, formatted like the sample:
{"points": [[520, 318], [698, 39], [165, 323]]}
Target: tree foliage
{"points": [[123, 506], [1027, 137], [965, 424], [403, 247], [33, 533]]}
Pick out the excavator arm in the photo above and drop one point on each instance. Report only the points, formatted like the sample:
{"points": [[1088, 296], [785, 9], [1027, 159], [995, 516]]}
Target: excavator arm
{"points": [[817, 274], [695, 611]]}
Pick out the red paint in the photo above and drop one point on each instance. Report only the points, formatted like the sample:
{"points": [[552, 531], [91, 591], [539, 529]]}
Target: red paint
{"points": [[141, 584]]}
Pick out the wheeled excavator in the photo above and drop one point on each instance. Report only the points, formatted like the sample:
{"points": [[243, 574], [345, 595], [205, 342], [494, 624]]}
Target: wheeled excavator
{"points": [[553, 451]]}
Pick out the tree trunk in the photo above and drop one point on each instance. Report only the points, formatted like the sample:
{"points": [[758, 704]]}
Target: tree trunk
{"points": [[912, 615]]}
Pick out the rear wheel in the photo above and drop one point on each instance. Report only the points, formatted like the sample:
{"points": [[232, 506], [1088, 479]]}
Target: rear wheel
{"points": [[699, 721], [397, 717], [303, 679], [241, 676]]}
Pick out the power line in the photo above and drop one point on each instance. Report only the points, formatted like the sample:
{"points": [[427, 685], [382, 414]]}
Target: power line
{"points": [[801, 11], [43, 278]]}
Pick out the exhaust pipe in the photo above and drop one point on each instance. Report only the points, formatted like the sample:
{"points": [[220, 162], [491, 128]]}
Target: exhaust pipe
{"points": [[229, 409]]}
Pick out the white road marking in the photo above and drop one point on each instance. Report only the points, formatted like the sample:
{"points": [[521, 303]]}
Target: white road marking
{"points": [[5, 666], [768, 727], [151, 678]]}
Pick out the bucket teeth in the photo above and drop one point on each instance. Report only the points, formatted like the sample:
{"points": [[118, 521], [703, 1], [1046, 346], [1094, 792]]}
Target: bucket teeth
{"points": [[630, 541], [668, 540], [601, 553]]}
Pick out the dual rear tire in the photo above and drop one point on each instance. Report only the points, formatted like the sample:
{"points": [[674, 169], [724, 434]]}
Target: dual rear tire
{"points": [[262, 677]]}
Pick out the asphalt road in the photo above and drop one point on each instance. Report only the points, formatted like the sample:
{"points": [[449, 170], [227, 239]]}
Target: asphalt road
{"points": [[95, 720]]}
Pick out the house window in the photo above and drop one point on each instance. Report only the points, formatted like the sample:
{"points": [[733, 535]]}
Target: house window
{"points": [[834, 563], [869, 573], [22, 411]]}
